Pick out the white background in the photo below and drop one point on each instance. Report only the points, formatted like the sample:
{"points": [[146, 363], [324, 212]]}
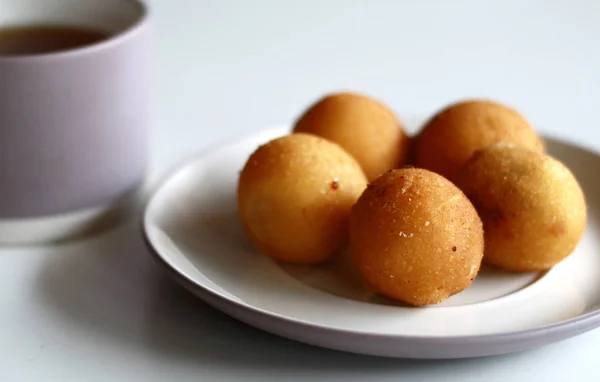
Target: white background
{"points": [[100, 310]]}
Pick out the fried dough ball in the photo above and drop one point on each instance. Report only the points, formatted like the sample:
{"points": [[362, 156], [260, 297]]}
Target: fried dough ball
{"points": [[450, 138], [295, 194], [416, 237], [532, 208], [365, 127]]}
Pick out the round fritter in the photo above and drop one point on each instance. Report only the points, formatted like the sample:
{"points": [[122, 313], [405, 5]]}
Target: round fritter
{"points": [[450, 138], [365, 127], [416, 237], [532, 208], [295, 194]]}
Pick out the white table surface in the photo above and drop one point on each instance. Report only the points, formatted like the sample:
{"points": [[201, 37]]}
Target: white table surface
{"points": [[101, 310]]}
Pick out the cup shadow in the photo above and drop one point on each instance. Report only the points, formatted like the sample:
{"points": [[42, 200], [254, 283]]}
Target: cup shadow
{"points": [[110, 286]]}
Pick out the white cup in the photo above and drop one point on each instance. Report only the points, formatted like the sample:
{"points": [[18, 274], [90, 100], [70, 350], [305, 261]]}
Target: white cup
{"points": [[74, 124]]}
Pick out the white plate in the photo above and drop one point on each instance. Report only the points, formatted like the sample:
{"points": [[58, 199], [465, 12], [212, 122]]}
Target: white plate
{"points": [[191, 225]]}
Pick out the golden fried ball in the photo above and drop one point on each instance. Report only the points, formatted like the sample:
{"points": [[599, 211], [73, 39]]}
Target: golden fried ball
{"points": [[449, 139], [532, 207], [365, 127], [295, 194], [416, 237]]}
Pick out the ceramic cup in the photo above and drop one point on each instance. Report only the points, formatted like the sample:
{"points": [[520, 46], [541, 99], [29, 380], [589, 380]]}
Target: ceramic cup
{"points": [[73, 124]]}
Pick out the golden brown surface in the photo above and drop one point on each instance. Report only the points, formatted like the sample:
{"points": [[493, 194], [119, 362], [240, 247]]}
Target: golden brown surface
{"points": [[449, 139], [366, 128], [294, 197], [533, 209], [416, 237]]}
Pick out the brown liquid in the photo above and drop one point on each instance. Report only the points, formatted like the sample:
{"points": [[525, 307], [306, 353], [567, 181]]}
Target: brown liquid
{"points": [[36, 39]]}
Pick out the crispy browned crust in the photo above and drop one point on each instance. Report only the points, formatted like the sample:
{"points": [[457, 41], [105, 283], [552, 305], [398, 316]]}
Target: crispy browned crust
{"points": [[294, 197], [365, 127], [532, 208], [416, 237], [450, 138]]}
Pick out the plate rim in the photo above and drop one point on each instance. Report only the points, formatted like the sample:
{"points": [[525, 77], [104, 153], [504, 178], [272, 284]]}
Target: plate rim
{"points": [[563, 329]]}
